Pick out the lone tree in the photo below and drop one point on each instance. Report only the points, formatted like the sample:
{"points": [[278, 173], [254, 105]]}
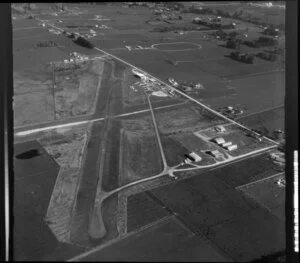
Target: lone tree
{"points": [[233, 43]]}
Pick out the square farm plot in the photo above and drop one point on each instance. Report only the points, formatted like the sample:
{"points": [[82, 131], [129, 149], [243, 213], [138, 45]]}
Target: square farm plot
{"points": [[228, 68], [250, 236], [235, 140], [141, 157], [188, 117], [37, 57], [76, 87], [269, 193], [33, 96]]}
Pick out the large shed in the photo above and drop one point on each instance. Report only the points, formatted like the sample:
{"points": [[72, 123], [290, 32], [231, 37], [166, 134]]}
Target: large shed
{"points": [[219, 140]]}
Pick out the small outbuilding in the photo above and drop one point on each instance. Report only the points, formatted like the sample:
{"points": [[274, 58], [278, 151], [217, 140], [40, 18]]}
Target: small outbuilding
{"points": [[195, 156], [220, 128], [226, 144], [215, 153], [219, 140], [231, 147]]}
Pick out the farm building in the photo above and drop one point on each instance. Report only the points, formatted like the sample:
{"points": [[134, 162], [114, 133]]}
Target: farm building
{"points": [[215, 153], [226, 144], [231, 147], [220, 128], [219, 140], [195, 156]]}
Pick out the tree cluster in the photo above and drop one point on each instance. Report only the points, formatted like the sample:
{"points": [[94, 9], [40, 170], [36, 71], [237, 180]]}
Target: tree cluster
{"points": [[81, 41], [243, 57], [47, 44], [267, 56]]}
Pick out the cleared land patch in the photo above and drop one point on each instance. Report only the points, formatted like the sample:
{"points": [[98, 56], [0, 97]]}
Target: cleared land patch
{"points": [[167, 241], [76, 91], [230, 68], [180, 46], [266, 122], [33, 107], [186, 118], [142, 156], [268, 194], [210, 209], [143, 210], [250, 235]]}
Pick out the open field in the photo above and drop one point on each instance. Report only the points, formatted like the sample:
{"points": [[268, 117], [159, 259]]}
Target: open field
{"points": [[167, 241], [141, 155], [270, 15], [253, 92], [268, 194], [143, 210], [33, 183], [36, 57], [207, 206], [250, 235], [185, 118], [174, 151], [266, 122], [247, 171], [34, 107], [230, 68], [76, 90]]}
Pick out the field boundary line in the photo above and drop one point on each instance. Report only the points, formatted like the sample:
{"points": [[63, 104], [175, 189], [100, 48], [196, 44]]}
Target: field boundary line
{"points": [[113, 241], [262, 111], [24, 28], [257, 181]]}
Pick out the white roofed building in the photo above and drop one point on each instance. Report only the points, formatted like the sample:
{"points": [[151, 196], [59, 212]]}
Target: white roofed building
{"points": [[231, 147], [195, 156], [219, 140]]}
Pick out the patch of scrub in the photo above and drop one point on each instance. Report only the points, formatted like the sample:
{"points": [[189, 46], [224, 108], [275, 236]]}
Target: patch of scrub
{"points": [[76, 92], [69, 155]]}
